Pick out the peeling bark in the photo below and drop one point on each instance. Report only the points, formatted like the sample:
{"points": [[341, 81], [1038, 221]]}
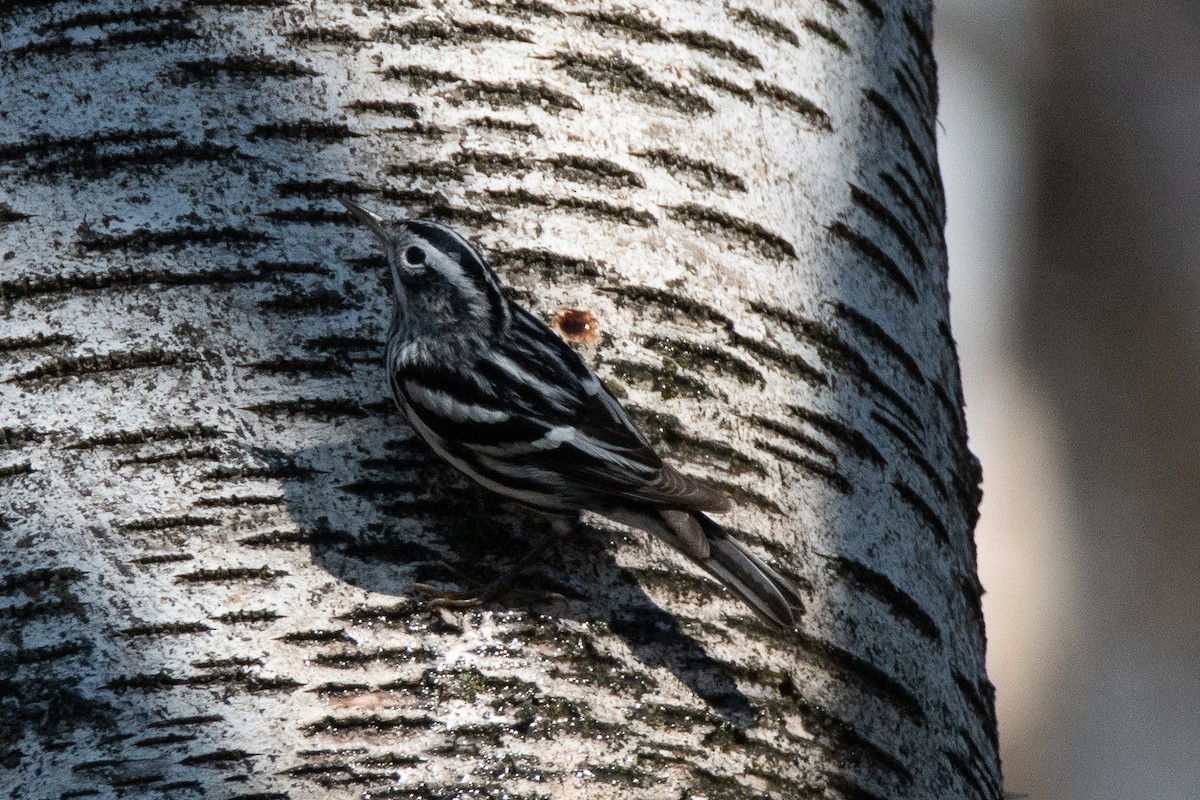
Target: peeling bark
{"points": [[212, 516]]}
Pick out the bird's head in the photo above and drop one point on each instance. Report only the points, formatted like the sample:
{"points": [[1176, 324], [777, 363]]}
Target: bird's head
{"points": [[443, 287]]}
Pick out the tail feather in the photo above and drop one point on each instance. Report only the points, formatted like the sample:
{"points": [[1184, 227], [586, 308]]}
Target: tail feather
{"points": [[747, 576], [704, 541]]}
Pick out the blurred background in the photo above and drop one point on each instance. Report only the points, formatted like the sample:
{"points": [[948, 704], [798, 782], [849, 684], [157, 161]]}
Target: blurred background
{"points": [[1070, 147]]}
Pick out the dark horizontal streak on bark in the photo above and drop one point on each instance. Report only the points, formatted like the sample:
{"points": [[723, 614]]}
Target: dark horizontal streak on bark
{"points": [[498, 124], [547, 264], [42, 144], [143, 240], [230, 575], [227, 678], [322, 408], [28, 287], [284, 540], [392, 108], [914, 453], [449, 31], [704, 173], [729, 87], [827, 33], [923, 39], [952, 410], [17, 470], [972, 591], [100, 19], [881, 587], [103, 165], [876, 332], [669, 383], [64, 46], [981, 705], [250, 67], [40, 580], [667, 429], [640, 29], [829, 474], [872, 8], [841, 355], [746, 497], [34, 342], [861, 671], [88, 366], [248, 615], [310, 301], [520, 94], [741, 232], [282, 365], [165, 629], [319, 131], [691, 355], [919, 157], [217, 757], [905, 80], [851, 439], [163, 558], [988, 765], [970, 781], [183, 454], [768, 25], [567, 167], [846, 739], [672, 305], [922, 216], [923, 510], [167, 433], [874, 255], [592, 206], [882, 214], [37, 612], [168, 523], [807, 109], [935, 222], [238, 501], [180, 722], [318, 636], [41, 655], [796, 437], [350, 659], [625, 77]]}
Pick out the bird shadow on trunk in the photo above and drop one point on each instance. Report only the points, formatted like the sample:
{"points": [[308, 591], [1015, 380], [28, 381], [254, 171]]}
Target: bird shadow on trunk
{"points": [[384, 516]]}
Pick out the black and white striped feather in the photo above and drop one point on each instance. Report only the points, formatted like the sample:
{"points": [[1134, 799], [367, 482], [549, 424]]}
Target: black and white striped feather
{"points": [[498, 395]]}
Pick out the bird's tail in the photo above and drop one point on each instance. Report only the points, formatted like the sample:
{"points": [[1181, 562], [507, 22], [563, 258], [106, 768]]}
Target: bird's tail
{"points": [[704, 541]]}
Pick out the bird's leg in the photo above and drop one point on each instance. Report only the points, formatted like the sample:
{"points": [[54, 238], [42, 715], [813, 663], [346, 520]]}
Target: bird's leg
{"points": [[490, 591]]}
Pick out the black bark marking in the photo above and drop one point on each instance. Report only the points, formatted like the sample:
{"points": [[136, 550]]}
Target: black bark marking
{"points": [[282, 365], [969, 780], [768, 25], [796, 437], [872, 254], [168, 523], [983, 703], [163, 558], [30, 287], [741, 232], [876, 209], [855, 669], [704, 174], [95, 365], [230, 575], [387, 108], [519, 95], [902, 605], [240, 67], [591, 206], [806, 108], [935, 220], [165, 629], [827, 33], [691, 355], [848, 437], [729, 87], [624, 77], [238, 501], [920, 159], [322, 408], [871, 7], [914, 453], [873, 330], [40, 580], [823, 471], [311, 301], [922, 216], [35, 342], [17, 470], [923, 39], [143, 240], [641, 29], [167, 433], [318, 131], [923, 511], [549, 265], [497, 124], [340, 36], [844, 737], [435, 33]]}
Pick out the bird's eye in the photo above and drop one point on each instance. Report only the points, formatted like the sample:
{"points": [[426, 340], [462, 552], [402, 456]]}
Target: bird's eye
{"points": [[414, 255]]}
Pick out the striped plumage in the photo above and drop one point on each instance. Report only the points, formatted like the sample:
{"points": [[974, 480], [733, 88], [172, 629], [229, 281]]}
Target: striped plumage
{"points": [[498, 395]]}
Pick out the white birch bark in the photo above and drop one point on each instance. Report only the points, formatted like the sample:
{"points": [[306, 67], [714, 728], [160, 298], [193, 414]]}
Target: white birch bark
{"points": [[212, 516]]}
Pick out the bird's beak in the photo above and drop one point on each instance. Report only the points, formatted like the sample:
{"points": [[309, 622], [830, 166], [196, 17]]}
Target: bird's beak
{"points": [[372, 221]]}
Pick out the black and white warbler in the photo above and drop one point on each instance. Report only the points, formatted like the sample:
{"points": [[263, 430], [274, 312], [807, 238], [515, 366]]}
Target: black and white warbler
{"points": [[497, 394]]}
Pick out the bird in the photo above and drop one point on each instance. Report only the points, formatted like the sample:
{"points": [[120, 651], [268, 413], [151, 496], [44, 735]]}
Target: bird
{"points": [[502, 398]]}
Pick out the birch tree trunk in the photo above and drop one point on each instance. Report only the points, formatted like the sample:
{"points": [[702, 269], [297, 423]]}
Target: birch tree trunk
{"points": [[212, 516]]}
